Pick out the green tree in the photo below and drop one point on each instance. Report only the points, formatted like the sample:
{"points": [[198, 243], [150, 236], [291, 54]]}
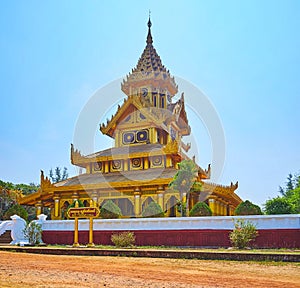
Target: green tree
{"points": [[278, 205], [184, 180], [247, 208], [110, 210], [201, 209], [26, 189], [9, 193], [289, 203], [153, 210], [7, 185], [281, 191], [294, 200], [297, 181], [16, 209], [6, 201], [58, 176], [290, 183]]}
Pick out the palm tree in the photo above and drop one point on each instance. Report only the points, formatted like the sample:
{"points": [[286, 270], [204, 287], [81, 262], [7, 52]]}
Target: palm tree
{"points": [[184, 180]]}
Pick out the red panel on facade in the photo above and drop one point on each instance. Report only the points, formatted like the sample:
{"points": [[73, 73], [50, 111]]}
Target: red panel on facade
{"points": [[273, 238]]}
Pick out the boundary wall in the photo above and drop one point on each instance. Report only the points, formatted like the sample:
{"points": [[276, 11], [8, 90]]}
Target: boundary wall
{"points": [[275, 231]]}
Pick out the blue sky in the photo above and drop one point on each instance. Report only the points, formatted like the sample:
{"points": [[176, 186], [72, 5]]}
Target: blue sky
{"points": [[244, 55]]}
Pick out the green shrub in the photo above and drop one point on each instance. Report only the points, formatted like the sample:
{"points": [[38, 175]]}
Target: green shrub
{"points": [[153, 210], [110, 210], [33, 233], [201, 209], [247, 208], [244, 232], [16, 209], [124, 239], [80, 204], [278, 205]]}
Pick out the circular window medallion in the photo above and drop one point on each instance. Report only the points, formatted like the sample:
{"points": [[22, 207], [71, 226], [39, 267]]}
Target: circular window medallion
{"points": [[136, 162], [128, 137], [142, 136], [157, 161], [116, 164]]}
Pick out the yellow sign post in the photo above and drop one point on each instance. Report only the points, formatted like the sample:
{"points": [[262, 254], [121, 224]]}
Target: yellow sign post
{"points": [[83, 212]]}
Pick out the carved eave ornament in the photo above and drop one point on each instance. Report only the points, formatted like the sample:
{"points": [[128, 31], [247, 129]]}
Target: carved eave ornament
{"points": [[234, 186], [45, 182], [208, 171], [179, 116], [76, 157]]}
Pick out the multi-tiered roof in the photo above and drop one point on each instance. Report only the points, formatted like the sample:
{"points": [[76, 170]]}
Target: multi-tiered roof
{"points": [[147, 129]]}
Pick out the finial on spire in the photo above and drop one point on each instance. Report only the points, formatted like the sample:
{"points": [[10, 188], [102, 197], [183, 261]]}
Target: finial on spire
{"points": [[149, 37], [149, 21]]}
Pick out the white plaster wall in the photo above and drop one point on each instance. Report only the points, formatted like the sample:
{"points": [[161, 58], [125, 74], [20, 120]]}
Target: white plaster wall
{"points": [[179, 223]]}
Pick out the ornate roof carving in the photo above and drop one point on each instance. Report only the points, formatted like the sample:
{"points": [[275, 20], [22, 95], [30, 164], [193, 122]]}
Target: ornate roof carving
{"points": [[76, 157], [45, 182], [178, 111]]}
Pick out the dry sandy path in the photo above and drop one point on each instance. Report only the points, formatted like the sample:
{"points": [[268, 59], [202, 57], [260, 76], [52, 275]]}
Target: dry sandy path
{"points": [[36, 270]]}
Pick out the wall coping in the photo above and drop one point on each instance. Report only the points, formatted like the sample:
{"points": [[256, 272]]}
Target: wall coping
{"points": [[290, 221]]}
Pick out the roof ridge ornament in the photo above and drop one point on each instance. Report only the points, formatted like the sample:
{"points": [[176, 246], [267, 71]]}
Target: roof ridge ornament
{"points": [[149, 36]]}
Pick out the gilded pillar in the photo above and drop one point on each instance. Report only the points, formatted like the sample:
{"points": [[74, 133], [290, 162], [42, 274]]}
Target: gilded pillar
{"points": [[125, 165], [168, 161], [222, 209], [38, 207], [231, 210], [117, 139], [151, 135], [225, 208], [218, 208], [88, 169], [106, 166], [146, 163], [56, 206], [155, 135], [160, 197], [94, 199], [212, 206], [75, 196], [137, 203], [192, 201]]}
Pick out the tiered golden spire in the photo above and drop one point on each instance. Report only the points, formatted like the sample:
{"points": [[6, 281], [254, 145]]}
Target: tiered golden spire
{"points": [[149, 67]]}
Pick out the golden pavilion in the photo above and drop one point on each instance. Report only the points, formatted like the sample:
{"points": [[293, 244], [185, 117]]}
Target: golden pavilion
{"points": [[147, 130]]}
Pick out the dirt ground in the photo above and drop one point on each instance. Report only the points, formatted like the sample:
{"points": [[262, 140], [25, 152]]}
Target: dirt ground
{"points": [[36, 270]]}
